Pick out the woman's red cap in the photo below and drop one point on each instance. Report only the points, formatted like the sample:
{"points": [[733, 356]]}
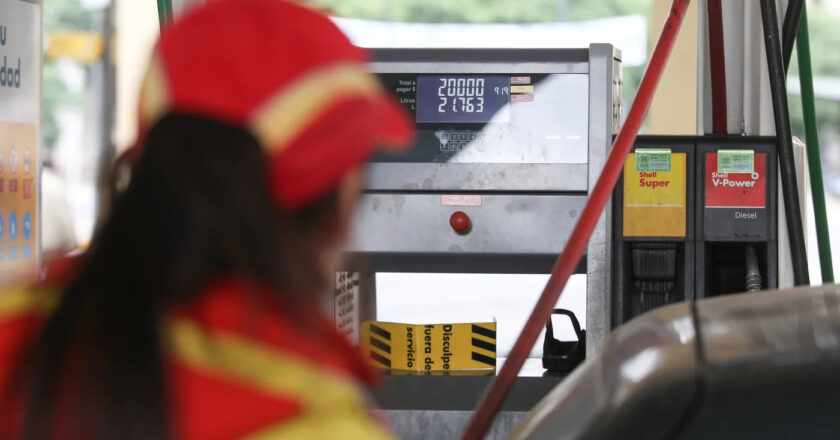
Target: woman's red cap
{"points": [[288, 75]]}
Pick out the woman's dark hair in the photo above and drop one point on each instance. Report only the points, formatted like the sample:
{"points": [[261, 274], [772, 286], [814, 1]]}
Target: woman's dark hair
{"points": [[198, 207]]}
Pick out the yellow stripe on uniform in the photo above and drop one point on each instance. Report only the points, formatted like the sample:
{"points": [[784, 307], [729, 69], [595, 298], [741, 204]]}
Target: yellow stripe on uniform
{"points": [[294, 108], [262, 367], [17, 301], [154, 93]]}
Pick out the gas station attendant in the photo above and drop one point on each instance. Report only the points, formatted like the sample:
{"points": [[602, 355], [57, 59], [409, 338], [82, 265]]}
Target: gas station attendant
{"points": [[195, 312]]}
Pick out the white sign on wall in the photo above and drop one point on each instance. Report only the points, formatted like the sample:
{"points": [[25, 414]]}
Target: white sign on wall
{"points": [[20, 134], [20, 54]]}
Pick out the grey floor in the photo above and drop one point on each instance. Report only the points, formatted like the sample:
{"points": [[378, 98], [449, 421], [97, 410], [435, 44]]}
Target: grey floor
{"points": [[446, 425]]}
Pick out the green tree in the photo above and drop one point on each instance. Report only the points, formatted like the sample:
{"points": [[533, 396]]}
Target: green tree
{"points": [[61, 15], [483, 11]]}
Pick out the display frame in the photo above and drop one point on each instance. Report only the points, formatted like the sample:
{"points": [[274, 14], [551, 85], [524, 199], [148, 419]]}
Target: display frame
{"points": [[438, 96], [486, 177]]}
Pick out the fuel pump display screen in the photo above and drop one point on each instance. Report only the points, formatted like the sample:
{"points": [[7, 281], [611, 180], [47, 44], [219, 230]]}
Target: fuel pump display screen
{"points": [[513, 118], [462, 98]]}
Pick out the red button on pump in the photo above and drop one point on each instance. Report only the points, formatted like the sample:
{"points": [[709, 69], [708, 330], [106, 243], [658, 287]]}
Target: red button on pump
{"points": [[460, 222]]}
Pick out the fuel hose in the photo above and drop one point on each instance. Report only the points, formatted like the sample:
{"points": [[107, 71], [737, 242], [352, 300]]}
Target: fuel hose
{"points": [[568, 261], [812, 144], [784, 143], [793, 15], [164, 12], [717, 66]]}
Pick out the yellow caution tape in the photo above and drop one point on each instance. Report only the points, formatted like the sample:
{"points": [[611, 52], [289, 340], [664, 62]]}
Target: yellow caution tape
{"points": [[429, 348]]}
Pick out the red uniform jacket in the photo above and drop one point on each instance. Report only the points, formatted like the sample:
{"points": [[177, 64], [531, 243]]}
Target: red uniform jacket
{"points": [[236, 371]]}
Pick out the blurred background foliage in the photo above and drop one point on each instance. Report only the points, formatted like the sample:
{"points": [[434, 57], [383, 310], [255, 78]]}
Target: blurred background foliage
{"points": [[484, 11], [62, 15]]}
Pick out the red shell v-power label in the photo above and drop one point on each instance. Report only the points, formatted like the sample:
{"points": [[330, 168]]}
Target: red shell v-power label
{"points": [[736, 190]]}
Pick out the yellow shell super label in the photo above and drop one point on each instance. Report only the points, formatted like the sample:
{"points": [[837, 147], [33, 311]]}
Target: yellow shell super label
{"points": [[429, 348], [654, 201]]}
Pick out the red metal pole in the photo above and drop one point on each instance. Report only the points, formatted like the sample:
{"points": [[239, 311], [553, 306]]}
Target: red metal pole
{"points": [[565, 265], [718, 67]]}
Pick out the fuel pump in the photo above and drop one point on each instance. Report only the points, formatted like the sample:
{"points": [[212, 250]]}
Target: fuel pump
{"points": [[654, 231], [737, 221], [696, 217], [509, 144]]}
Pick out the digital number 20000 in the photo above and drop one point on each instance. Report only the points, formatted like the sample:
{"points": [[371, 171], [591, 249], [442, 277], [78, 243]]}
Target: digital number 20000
{"points": [[461, 95]]}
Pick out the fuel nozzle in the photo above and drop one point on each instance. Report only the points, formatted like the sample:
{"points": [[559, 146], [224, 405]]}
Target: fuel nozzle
{"points": [[753, 277]]}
